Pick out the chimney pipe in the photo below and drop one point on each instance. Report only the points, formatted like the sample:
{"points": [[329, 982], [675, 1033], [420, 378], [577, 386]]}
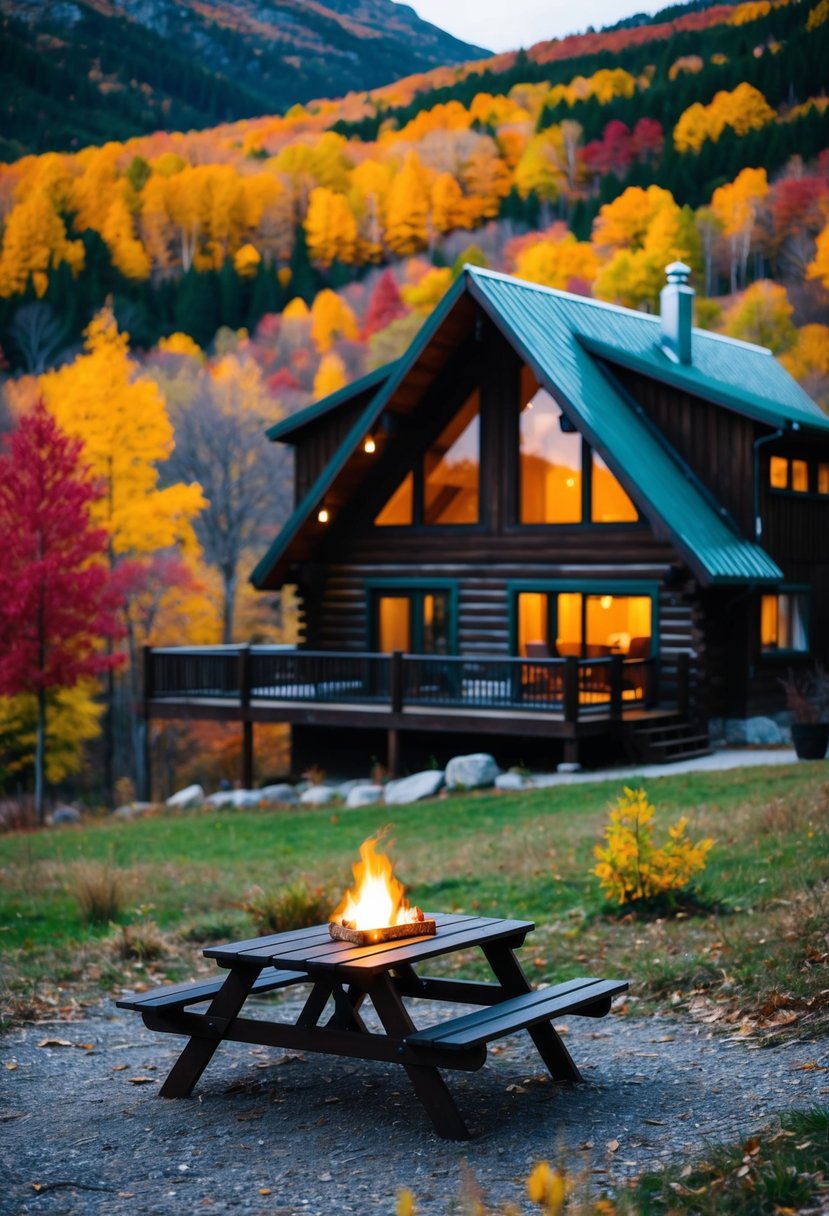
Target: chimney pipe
{"points": [[676, 307]]}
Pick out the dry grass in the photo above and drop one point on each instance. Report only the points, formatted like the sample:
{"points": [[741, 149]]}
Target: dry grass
{"points": [[101, 891], [294, 907]]}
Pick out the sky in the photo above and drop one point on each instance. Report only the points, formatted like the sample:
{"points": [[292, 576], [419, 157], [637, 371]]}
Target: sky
{"points": [[505, 25]]}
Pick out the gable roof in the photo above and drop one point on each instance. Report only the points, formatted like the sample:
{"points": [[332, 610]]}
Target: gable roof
{"points": [[564, 338], [288, 429]]}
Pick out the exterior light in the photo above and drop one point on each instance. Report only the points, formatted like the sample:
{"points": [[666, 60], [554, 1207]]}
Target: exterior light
{"points": [[570, 482], [606, 601], [369, 445], [322, 515]]}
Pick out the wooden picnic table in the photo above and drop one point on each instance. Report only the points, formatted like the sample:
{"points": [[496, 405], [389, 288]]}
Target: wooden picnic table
{"points": [[341, 976]]}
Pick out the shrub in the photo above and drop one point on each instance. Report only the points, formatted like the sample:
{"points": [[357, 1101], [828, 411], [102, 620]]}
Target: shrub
{"points": [[632, 868], [141, 940], [294, 907], [100, 890]]}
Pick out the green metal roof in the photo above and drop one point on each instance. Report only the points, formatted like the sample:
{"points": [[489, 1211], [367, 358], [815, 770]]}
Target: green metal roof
{"points": [[284, 430], [564, 339]]}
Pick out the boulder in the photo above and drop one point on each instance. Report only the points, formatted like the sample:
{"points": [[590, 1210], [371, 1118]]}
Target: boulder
{"points": [[191, 795], [238, 799], [65, 814], [474, 772], [364, 795], [568, 766], [317, 795], [281, 794], [412, 789], [512, 781], [133, 810], [753, 732], [344, 788]]}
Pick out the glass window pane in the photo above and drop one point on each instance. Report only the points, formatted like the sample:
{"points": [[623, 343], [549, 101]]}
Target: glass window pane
{"points": [[823, 478], [779, 472], [398, 510], [533, 617], [451, 468], [783, 622], [619, 624], [394, 623], [550, 460], [436, 623], [769, 628], [800, 476], [568, 621], [609, 503]]}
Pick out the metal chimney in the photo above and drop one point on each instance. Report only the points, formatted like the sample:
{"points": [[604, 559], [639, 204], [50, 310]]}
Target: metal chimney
{"points": [[676, 307]]}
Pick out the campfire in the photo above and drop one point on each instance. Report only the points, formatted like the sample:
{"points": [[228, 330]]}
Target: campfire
{"points": [[375, 909]]}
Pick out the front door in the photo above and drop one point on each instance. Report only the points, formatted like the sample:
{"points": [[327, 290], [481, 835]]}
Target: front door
{"points": [[415, 622]]}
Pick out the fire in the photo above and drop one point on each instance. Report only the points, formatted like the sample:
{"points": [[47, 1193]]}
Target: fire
{"points": [[377, 899]]}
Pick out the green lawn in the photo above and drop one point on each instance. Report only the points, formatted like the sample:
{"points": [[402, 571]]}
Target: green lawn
{"points": [[520, 855]]}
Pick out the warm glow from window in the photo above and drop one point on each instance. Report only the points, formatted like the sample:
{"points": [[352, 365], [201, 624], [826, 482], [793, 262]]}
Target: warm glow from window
{"points": [[451, 468], [587, 626], [399, 510], [532, 621], [800, 476], [613, 622], [569, 614], [823, 478], [783, 622], [609, 503], [550, 460], [779, 473], [394, 623]]}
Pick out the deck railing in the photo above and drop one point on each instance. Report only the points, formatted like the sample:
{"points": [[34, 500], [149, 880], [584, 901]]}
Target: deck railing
{"points": [[574, 688]]}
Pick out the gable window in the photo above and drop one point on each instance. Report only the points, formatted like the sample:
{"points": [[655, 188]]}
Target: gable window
{"points": [[561, 479], [443, 488], [784, 622]]}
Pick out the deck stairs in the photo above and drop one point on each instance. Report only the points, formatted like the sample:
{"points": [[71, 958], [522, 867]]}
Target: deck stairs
{"points": [[663, 739]]}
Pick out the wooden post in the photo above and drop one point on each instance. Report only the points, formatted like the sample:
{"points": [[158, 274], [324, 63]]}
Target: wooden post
{"points": [[396, 681], [393, 751], [571, 689], [652, 683], [247, 725], [616, 687], [143, 774], [683, 682]]}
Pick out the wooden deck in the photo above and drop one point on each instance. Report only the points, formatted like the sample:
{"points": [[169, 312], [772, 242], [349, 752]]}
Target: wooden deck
{"points": [[567, 699]]}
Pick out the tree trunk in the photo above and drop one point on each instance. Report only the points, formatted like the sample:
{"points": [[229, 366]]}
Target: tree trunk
{"points": [[229, 587], [40, 753]]}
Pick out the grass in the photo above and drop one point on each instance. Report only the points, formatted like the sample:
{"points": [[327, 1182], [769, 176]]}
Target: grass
{"points": [[757, 964]]}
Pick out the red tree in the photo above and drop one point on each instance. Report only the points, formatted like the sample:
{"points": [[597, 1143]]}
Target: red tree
{"points": [[384, 306], [56, 600]]}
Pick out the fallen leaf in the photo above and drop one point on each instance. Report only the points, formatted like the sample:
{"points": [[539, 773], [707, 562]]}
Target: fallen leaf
{"points": [[516, 1089], [264, 1190], [742, 1171], [655, 1122], [141, 1080], [11, 1065], [55, 1043], [332, 1100], [37, 1186], [561, 1029], [119, 1067], [613, 1146], [808, 1067], [326, 1177]]}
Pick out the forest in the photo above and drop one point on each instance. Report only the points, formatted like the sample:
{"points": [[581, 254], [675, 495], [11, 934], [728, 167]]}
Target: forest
{"points": [[166, 297]]}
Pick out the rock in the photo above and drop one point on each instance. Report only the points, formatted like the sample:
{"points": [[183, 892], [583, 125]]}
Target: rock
{"points": [[752, 732], [273, 795], [412, 789], [191, 795], [238, 799], [568, 766], [125, 812], [541, 781], [474, 772], [512, 781], [364, 795], [344, 788], [65, 814], [317, 795]]}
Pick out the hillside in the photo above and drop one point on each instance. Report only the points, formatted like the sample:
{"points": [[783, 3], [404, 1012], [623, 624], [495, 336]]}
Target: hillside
{"points": [[90, 70]]}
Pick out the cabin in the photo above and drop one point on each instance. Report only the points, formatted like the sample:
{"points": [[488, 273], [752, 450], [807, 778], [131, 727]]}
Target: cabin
{"points": [[554, 527]]}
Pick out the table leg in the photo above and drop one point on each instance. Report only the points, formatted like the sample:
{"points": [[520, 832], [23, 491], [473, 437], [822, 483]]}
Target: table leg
{"points": [[198, 1053], [427, 1082], [508, 972]]}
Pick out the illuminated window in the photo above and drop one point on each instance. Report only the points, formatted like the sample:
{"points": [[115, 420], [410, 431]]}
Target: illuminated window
{"points": [[562, 480], [416, 621], [394, 623], [783, 622], [609, 504], [779, 473], [450, 470], [823, 478], [800, 477], [446, 482], [399, 510], [573, 624]]}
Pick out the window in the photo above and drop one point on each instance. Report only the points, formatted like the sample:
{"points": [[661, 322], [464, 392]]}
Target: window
{"points": [[823, 477], [796, 476], [561, 480], [585, 625], [800, 477], [444, 486], [414, 620], [783, 622], [779, 473]]}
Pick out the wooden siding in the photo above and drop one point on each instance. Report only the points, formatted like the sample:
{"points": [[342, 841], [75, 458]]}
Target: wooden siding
{"points": [[317, 445]]}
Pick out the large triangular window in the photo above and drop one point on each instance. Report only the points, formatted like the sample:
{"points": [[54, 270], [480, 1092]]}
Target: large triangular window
{"points": [[444, 487]]}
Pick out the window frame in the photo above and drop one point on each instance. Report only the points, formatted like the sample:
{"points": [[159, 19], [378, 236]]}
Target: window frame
{"points": [[414, 589], [786, 653], [584, 587], [812, 493]]}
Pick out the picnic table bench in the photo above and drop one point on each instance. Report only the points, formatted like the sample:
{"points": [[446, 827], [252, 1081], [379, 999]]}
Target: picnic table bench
{"points": [[342, 976]]}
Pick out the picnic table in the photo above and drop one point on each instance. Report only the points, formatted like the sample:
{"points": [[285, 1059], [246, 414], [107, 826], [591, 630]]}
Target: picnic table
{"points": [[341, 976]]}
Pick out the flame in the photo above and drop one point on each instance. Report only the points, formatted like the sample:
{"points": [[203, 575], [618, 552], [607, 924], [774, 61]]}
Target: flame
{"points": [[377, 898]]}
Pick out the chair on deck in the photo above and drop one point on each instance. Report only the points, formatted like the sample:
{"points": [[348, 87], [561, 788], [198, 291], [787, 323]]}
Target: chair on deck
{"points": [[636, 674], [543, 682]]}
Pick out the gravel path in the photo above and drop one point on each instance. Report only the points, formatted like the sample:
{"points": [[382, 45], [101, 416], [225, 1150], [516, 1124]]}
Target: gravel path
{"points": [[320, 1136]]}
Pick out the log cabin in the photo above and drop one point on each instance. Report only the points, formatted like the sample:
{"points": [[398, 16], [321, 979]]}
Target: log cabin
{"points": [[553, 526]]}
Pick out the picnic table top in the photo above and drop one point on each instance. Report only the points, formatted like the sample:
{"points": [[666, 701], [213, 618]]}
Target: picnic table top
{"points": [[313, 950]]}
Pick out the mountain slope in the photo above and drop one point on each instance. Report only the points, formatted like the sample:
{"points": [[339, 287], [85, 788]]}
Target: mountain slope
{"points": [[83, 72]]}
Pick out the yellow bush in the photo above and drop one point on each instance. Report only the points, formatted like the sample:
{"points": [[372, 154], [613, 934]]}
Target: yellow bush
{"points": [[630, 865]]}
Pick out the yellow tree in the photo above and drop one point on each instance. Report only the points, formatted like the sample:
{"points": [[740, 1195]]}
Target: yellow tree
{"points": [[644, 230], [407, 208], [735, 206], [819, 268], [127, 252], [423, 295], [558, 263], [330, 227], [763, 315], [486, 179], [370, 182], [330, 376], [449, 207], [331, 318], [35, 242]]}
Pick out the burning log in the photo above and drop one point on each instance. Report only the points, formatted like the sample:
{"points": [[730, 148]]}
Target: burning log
{"points": [[343, 931], [375, 909]]}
